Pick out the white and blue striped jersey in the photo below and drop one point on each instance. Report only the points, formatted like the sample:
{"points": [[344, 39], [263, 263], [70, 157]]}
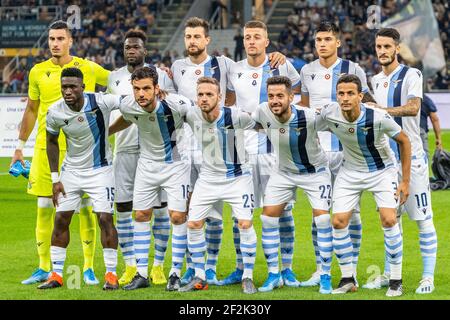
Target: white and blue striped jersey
{"points": [[222, 143], [319, 83], [185, 76], [159, 131], [366, 147], [393, 91], [119, 82], [250, 86], [295, 142], [86, 131]]}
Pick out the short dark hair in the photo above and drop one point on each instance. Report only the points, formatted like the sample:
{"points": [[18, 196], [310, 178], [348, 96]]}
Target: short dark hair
{"points": [[72, 72], [390, 33], [136, 33], [255, 24], [328, 26], [276, 80], [350, 78], [60, 24], [195, 22], [210, 81], [145, 73]]}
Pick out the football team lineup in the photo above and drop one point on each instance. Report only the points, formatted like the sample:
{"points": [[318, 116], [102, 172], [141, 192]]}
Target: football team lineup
{"points": [[211, 138]]}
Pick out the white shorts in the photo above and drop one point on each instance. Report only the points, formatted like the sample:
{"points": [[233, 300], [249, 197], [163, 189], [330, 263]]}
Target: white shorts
{"points": [[350, 184], [237, 192], [335, 159], [125, 165], [98, 184], [418, 204], [282, 188], [263, 165], [154, 176]]}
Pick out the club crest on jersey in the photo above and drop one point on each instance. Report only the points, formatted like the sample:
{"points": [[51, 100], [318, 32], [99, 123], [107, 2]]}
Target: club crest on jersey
{"points": [[239, 75], [351, 130], [365, 130], [80, 119], [396, 82], [313, 76], [255, 75], [327, 76], [213, 69], [385, 84], [166, 117], [151, 118], [210, 130], [282, 130], [76, 64], [298, 131], [198, 72], [182, 72]]}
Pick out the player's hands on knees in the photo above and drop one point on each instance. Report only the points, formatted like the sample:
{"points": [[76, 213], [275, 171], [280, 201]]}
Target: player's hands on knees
{"points": [[402, 192], [276, 59], [17, 156], [57, 189]]}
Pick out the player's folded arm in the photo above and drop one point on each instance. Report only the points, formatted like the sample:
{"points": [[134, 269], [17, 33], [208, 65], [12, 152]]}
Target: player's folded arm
{"points": [[119, 125]]}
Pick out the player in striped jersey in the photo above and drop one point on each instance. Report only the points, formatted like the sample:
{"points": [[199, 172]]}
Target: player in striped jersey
{"points": [[187, 71], [160, 166], [398, 88], [126, 155], [224, 176], [319, 80], [248, 80], [368, 165], [84, 119], [302, 163], [45, 89]]}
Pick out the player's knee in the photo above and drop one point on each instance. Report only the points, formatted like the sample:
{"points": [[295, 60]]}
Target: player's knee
{"points": [[339, 221], [244, 224], [195, 224], [177, 217], [389, 222], [124, 206], [105, 221], [143, 215]]}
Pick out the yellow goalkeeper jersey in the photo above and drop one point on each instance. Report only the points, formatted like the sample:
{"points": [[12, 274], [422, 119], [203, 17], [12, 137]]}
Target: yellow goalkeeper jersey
{"points": [[45, 86]]}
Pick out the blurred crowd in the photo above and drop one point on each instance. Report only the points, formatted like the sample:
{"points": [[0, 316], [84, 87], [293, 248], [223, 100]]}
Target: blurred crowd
{"points": [[104, 23]]}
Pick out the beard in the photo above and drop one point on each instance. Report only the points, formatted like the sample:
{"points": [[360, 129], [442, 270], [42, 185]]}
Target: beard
{"points": [[196, 53], [392, 58], [136, 62]]}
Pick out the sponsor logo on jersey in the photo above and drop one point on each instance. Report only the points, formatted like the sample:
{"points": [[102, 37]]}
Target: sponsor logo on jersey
{"points": [[268, 124], [182, 72], [313, 76], [336, 125], [117, 82], [66, 122], [181, 102], [40, 243], [48, 74], [239, 75]]}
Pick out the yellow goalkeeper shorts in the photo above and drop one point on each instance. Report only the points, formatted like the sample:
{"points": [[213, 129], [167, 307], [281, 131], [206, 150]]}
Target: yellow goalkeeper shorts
{"points": [[40, 180]]}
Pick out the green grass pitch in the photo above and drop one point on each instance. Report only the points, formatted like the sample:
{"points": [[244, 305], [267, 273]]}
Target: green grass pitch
{"points": [[18, 256]]}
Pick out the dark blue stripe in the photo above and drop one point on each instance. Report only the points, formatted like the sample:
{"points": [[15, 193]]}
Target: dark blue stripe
{"points": [[301, 140], [370, 140], [216, 68], [230, 143], [345, 66], [99, 134], [169, 136]]}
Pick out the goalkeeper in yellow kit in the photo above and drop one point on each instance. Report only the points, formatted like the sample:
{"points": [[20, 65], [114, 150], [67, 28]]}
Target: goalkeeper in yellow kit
{"points": [[45, 89]]}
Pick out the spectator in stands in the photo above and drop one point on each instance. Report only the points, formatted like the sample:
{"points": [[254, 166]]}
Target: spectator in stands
{"points": [[239, 47]]}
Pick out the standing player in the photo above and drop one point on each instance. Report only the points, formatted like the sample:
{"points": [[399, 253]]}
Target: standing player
{"points": [[45, 89], [248, 80], [187, 71], [399, 89], [224, 176], [301, 163], [368, 165], [86, 168], [160, 166], [319, 80], [125, 163]]}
